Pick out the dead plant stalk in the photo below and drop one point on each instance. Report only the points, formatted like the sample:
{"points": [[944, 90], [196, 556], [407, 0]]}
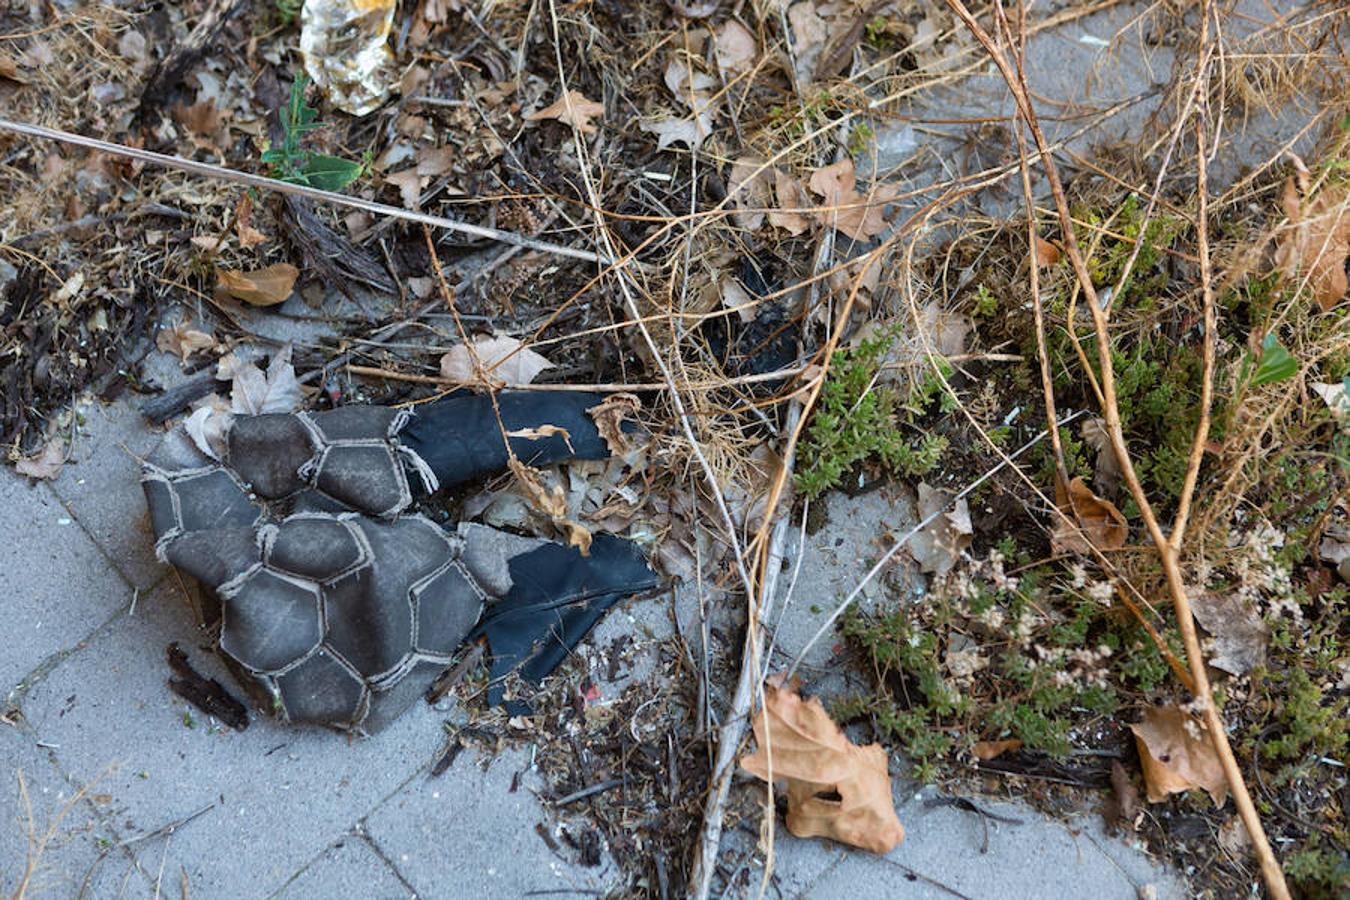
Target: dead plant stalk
{"points": [[1168, 549]]}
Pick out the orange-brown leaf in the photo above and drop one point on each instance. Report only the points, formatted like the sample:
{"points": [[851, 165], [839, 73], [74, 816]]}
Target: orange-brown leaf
{"points": [[1100, 524], [1176, 760], [819, 762], [987, 750], [1047, 253], [856, 215], [1317, 242], [265, 287], [578, 113]]}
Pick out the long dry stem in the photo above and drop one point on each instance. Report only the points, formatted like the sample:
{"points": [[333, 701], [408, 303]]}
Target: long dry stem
{"points": [[1168, 554]]}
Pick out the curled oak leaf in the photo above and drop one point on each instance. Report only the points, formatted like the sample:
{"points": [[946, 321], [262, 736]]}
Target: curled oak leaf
{"points": [[1317, 241], [46, 464], [1240, 634], [264, 287], [577, 113], [1177, 756], [609, 416], [1100, 524], [836, 789], [183, 340], [792, 197]]}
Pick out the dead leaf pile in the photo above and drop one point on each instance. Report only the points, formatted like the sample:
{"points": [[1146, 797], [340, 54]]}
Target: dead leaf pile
{"points": [[1099, 523], [800, 743], [1317, 242], [1177, 756]]}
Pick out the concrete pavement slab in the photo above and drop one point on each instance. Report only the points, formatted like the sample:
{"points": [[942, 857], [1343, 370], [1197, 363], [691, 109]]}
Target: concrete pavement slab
{"points": [[275, 796], [348, 868], [479, 825], [53, 844], [100, 484], [58, 587]]}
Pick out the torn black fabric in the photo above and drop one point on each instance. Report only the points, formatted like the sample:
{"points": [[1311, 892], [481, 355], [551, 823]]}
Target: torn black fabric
{"points": [[458, 436], [556, 598]]}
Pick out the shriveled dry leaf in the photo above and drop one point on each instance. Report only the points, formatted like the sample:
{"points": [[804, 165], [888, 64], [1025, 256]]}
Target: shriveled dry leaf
{"points": [[1240, 635], [1047, 253], [542, 432], [1317, 241], [609, 416], [409, 184], [47, 463], [183, 340], [810, 34], [249, 237], [1106, 475], [264, 287], [1176, 760], [735, 296], [209, 426], [735, 49], [749, 185], [504, 359], [1123, 809], [791, 197], [1100, 524], [1336, 399], [252, 393], [937, 547], [857, 215], [552, 502], [578, 114], [987, 750], [1235, 840], [818, 761], [693, 90]]}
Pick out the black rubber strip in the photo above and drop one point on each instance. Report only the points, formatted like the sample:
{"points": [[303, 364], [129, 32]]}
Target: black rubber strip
{"points": [[460, 440]]}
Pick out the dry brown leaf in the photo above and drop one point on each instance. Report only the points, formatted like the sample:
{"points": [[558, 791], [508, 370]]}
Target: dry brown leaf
{"points": [[249, 237], [504, 359], [735, 49], [819, 762], [252, 393], [856, 215], [1177, 756], [1235, 840], [1240, 635], [409, 184], [202, 120], [264, 287], [183, 340], [1106, 475], [749, 185], [791, 197], [987, 750], [1123, 809], [579, 114], [46, 464], [609, 416], [937, 547], [1047, 253], [693, 90], [541, 432], [1317, 241], [1100, 524], [552, 502]]}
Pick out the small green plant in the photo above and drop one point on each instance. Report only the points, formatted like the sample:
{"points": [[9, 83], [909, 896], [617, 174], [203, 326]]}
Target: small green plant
{"points": [[1274, 363], [860, 139], [856, 420], [294, 162], [288, 11], [986, 302]]}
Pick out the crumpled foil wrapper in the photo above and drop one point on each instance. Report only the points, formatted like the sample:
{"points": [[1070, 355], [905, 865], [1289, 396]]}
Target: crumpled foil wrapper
{"points": [[344, 44]]}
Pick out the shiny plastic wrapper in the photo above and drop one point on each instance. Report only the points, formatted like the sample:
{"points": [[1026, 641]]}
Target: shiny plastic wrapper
{"points": [[346, 53]]}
